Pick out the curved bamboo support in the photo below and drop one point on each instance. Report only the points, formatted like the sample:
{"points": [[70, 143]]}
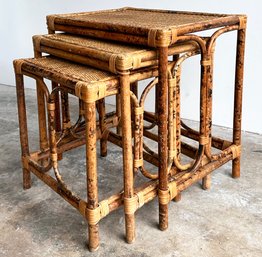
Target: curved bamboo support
{"points": [[80, 122], [207, 52], [53, 144], [45, 91], [172, 119], [207, 76], [41, 168], [210, 50], [213, 38], [138, 137]]}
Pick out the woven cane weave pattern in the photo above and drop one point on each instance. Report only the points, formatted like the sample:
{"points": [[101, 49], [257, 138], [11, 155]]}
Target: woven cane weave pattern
{"points": [[69, 69], [107, 46], [143, 18]]}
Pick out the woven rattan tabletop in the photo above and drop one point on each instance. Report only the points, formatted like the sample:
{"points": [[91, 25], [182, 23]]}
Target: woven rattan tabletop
{"points": [[87, 83], [103, 54], [70, 70], [107, 47], [140, 22]]}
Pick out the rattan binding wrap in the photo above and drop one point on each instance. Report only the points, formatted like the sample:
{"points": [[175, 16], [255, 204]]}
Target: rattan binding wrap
{"points": [[203, 140], [94, 215], [25, 162], [134, 203], [242, 21], [159, 38], [165, 196], [90, 92], [236, 151], [18, 66]]}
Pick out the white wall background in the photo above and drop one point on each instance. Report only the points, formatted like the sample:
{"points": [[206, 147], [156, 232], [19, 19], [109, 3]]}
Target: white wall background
{"points": [[21, 19]]}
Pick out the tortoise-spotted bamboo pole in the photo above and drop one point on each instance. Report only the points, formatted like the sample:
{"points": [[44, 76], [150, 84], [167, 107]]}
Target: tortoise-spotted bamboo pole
{"points": [[102, 123], [134, 89], [206, 181], [127, 153], [41, 107], [178, 117], [65, 110], [162, 134], [118, 113], [23, 127], [91, 171], [238, 97]]}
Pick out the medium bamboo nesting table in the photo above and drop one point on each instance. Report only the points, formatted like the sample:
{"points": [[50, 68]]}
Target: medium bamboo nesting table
{"points": [[161, 29], [121, 60]]}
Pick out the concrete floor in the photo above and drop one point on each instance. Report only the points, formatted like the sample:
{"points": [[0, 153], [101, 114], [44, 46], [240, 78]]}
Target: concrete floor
{"points": [[224, 221]]}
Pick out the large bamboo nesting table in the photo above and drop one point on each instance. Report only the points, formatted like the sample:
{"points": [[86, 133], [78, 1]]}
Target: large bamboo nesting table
{"points": [[161, 29]]}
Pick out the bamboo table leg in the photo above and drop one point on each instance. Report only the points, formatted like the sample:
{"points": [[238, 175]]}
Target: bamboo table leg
{"points": [[91, 171], [206, 181], [23, 127], [238, 97], [162, 135], [127, 155]]}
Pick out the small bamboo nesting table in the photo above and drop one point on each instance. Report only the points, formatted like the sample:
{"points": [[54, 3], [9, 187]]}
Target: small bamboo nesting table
{"points": [[90, 85], [161, 29]]}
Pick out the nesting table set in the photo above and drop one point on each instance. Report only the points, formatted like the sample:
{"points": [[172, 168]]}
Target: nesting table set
{"points": [[93, 55]]}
